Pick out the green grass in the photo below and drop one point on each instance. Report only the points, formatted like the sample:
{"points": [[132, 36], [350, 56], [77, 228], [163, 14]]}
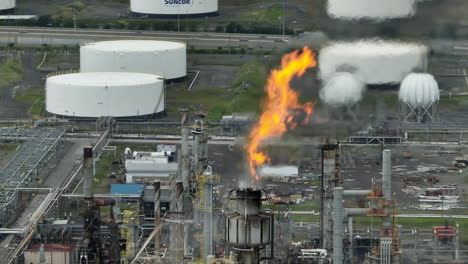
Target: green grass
{"points": [[33, 96], [306, 218], [271, 14], [11, 72], [453, 100], [244, 94]]}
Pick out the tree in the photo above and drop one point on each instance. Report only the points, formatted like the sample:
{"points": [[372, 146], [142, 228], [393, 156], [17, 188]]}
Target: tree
{"points": [[44, 21]]}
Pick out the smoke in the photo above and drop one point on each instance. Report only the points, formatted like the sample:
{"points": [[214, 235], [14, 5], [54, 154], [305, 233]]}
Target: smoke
{"points": [[371, 9], [342, 89], [374, 61]]}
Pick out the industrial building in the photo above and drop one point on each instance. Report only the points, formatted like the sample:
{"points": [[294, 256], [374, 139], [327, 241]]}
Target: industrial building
{"points": [[7, 5], [174, 8], [164, 58], [96, 94], [147, 167]]}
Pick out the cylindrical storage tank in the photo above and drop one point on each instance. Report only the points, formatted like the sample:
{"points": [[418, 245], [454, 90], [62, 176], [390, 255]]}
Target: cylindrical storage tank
{"points": [[371, 9], [164, 58], [96, 94], [374, 62], [174, 7], [7, 5], [419, 90]]}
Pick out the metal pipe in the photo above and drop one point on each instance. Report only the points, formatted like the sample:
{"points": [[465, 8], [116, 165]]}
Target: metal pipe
{"points": [[387, 174], [185, 166], [353, 193], [157, 216], [338, 228], [356, 211], [351, 242], [88, 172]]}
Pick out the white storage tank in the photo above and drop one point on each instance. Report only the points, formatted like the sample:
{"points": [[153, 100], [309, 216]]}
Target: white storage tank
{"points": [[164, 58], [419, 90], [371, 9], [6, 5], [374, 62], [95, 94], [174, 7]]}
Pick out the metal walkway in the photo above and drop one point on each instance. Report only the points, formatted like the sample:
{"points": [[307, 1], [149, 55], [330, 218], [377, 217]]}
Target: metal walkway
{"points": [[25, 164]]}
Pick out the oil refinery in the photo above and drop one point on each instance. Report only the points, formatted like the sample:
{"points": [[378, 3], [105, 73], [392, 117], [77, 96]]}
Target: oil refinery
{"points": [[233, 132]]}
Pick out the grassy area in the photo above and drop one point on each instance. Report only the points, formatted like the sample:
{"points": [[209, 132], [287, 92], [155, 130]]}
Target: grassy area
{"points": [[35, 97], [306, 218], [11, 72], [454, 100], [271, 14], [243, 95], [6, 151]]}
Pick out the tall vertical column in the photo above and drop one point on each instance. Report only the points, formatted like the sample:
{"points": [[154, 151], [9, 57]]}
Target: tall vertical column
{"points": [[185, 155], [329, 180], [179, 226], [351, 239], [338, 229], [387, 187], [88, 172], [208, 214], [157, 216]]}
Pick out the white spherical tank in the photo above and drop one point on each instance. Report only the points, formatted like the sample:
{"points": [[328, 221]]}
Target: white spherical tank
{"points": [[95, 94], [419, 90], [164, 58], [7, 4], [373, 61], [174, 7], [372, 9], [342, 89]]}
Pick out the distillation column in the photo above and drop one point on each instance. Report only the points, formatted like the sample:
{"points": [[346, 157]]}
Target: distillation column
{"points": [[330, 180]]}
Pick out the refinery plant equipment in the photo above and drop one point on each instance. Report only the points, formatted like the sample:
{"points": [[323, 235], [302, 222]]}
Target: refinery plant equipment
{"points": [[176, 8], [249, 229], [96, 94], [419, 95], [164, 58], [375, 62]]}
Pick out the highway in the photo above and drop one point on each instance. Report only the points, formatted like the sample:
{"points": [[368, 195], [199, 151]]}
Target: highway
{"points": [[69, 36]]}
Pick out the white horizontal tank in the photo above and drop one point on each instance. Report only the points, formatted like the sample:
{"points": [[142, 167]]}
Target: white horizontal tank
{"points": [[7, 4], [374, 62], [174, 7], [371, 9], [164, 58], [419, 90], [95, 94]]}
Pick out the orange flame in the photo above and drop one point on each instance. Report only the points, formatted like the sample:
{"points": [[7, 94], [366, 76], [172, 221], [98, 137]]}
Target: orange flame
{"points": [[278, 109]]}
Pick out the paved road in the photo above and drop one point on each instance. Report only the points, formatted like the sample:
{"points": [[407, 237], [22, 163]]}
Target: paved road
{"points": [[63, 36]]}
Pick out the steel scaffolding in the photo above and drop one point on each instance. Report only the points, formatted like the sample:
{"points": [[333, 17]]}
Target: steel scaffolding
{"points": [[23, 166]]}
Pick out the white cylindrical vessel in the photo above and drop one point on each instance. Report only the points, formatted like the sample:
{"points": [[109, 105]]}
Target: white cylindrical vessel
{"points": [[372, 61], [164, 58], [371, 9], [174, 7], [96, 94], [7, 5]]}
